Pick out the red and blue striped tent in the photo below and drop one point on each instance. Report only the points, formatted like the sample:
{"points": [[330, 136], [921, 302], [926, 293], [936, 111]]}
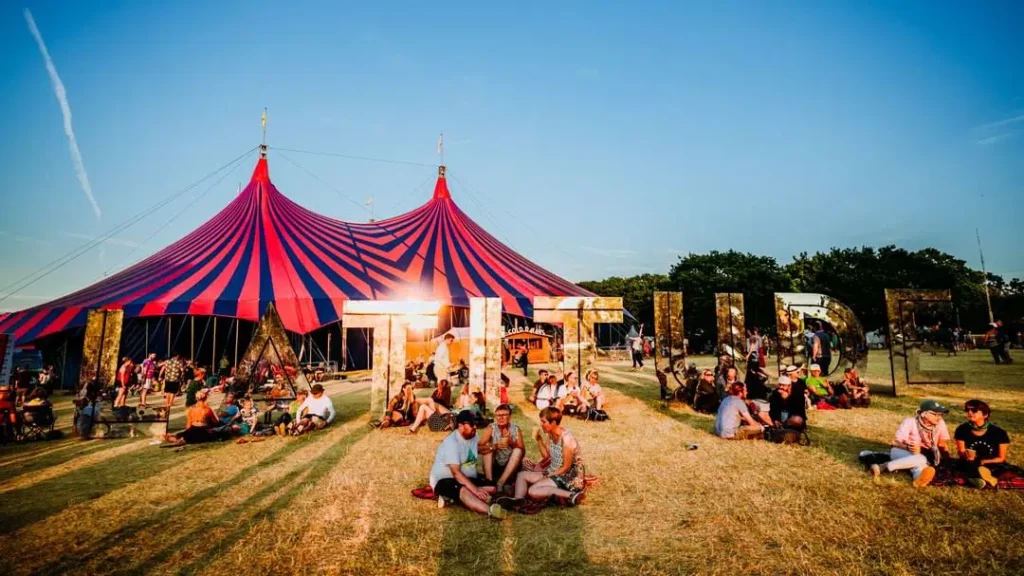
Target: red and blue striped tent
{"points": [[265, 248]]}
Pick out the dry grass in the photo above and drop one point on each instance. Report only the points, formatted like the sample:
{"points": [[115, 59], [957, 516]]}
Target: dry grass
{"points": [[338, 501]]}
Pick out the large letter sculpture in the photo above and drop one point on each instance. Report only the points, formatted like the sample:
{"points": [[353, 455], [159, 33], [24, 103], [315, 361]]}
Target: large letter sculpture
{"points": [[577, 315], [790, 310], [732, 337], [389, 319], [904, 345], [270, 352], [669, 349], [485, 343], [100, 348]]}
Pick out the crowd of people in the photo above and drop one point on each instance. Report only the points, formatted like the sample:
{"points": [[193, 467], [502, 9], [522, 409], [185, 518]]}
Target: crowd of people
{"points": [[566, 392]]}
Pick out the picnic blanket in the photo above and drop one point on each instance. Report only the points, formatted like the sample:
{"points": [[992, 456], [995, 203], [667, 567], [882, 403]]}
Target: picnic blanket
{"points": [[1011, 478], [529, 506]]}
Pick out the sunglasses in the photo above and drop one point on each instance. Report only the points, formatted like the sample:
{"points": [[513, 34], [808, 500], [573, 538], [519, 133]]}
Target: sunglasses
{"points": [[971, 410]]}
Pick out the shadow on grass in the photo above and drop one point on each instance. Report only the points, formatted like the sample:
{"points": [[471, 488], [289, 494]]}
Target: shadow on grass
{"points": [[552, 542], [63, 454], [309, 476], [70, 561]]}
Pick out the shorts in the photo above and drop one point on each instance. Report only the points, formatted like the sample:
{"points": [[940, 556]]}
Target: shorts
{"points": [[499, 469], [148, 384], [449, 488], [172, 387]]}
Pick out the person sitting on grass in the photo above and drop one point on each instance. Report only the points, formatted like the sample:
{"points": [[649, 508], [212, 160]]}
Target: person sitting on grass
{"points": [[502, 448], [820, 388], [286, 422], [593, 388], [248, 416], [787, 408], [733, 420], [725, 380], [229, 413], [542, 379], [982, 447], [436, 410], [453, 476], [400, 407], [550, 393], [562, 476], [920, 444], [573, 402], [856, 389], [201, 425], [316, 411]]}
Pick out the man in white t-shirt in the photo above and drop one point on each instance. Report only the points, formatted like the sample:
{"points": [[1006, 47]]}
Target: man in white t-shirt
{"points": [[442, 361], [453, 475], [316, 411]]}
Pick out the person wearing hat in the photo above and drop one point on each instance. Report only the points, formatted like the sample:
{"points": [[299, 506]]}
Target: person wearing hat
{"points": [[921, 442], [819, 386], [317, 411], [787, 408], [453, 475]]}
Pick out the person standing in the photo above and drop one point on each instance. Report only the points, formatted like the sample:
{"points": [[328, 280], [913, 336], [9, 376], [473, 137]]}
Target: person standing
{"points": [[148, 373], [442, 360], [637, 348], [1003, 340], [171, 374], [822, 354], [124, 380]]}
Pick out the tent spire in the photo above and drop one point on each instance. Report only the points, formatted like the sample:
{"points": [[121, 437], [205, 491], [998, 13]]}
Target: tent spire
{"points": [[441, 188], [263, 144]]}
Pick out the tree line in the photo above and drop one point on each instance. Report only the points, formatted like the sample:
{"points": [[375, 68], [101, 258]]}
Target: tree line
{"points": [[855, 276]]}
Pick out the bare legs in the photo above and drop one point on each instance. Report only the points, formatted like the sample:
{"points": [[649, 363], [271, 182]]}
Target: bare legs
{"points": [[538, 486], [510, 467], [425, 411], [122, 396], [475, 504]]}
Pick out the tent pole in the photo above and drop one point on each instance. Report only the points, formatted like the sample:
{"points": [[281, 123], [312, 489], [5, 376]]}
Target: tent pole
{"points": [[192, 340], [344, 346], [213, 355], [328, 348], [170, 321], [147, 337], [237, 329]]}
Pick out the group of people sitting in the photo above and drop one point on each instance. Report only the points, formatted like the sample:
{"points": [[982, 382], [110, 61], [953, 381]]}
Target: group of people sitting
{"points": [[565, 392], [509, 480], [309, 411], [35, 417], [921, 446]]}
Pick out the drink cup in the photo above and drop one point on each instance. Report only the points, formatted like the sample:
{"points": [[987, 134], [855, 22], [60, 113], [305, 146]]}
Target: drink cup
{"points": [[972, 455]]}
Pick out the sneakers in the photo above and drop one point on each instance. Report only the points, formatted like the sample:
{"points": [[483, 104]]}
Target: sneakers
{"points": [[876, 471], [497, 512], [925, 477], [987, 476], [577, 497], [441, 502], [976, 483]]}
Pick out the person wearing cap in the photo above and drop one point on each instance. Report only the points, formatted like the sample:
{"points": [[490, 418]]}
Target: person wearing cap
{"points": [[920, 444], [787, 408], [502, 448], [982, 447], [733, 420], [453, 475], [819, 387], [317, 411]]}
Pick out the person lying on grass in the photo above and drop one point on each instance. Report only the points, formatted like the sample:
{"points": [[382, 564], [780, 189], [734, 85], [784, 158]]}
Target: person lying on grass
{"points": [[560, 471], [315, 412], [920, 444], [434, 410], [982, 447], [201, 425], [786, 407], [502, 448], [733, 420], [453, 476]]}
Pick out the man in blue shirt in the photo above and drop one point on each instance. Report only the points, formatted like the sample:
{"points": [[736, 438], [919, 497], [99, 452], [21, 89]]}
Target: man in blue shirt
{"points": [[822, 355]]}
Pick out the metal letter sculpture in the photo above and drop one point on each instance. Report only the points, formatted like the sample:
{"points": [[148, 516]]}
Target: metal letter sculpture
{"points": [[389, 319], [904, 345], [269, 355], [577, 315], [790, 310], [732, 337], [485, 343], [101, 346], [669, 349]]}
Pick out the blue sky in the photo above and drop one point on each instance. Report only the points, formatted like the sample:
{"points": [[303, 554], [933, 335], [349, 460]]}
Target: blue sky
{"points": [[595, 138]]}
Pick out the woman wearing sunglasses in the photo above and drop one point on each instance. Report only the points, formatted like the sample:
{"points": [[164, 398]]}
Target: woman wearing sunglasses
{"points": [[981, 446]]}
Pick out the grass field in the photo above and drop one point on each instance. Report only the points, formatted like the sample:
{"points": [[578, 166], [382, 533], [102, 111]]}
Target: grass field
{"points": [[339, 502]]}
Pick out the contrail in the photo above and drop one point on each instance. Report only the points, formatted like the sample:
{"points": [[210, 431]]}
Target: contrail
{"points": [[62, 97]]}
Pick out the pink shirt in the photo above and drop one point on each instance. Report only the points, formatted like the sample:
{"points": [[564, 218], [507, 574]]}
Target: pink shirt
{"points": [[908, 433]]}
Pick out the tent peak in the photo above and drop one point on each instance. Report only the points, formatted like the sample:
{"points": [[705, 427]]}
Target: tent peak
{"points": [[262, 171], [441, 188]]}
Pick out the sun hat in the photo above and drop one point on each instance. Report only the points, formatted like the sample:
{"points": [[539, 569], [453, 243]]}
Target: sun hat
{"points": [[815, 367], [785, 381]]}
